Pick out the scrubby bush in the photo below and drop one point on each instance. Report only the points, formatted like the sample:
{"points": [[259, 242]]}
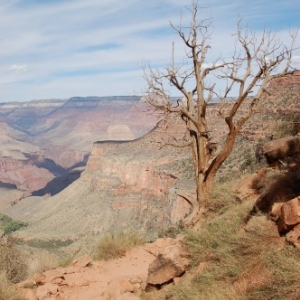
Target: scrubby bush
{"points": [[12, 263], [288, 125], [115, 245], [45, 260], [8, 225]]}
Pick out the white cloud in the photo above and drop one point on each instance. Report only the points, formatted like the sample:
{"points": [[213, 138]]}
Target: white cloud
{"points": [[52, 38], [18, 68]]}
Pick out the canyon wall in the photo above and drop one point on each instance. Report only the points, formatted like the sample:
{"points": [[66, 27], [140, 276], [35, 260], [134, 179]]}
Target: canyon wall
{"points": [[126, 185], [47, 138]]}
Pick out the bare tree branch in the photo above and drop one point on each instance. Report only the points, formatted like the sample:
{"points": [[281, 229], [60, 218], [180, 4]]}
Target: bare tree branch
{"points": [[255, 61]]}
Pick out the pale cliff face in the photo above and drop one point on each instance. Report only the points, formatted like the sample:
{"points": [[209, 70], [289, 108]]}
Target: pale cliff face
{"points": [[130, 174]]}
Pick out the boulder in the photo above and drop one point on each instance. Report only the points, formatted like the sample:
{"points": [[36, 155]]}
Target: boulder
{"points": [[293, 235], [289, 216], [276, 193], [290, 212], [250, 187], [281, 148], [83, 261], [170, 263], [53, 274]]}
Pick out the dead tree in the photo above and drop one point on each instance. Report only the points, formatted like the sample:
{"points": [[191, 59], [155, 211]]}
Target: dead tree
{"points": [[254, 63]]}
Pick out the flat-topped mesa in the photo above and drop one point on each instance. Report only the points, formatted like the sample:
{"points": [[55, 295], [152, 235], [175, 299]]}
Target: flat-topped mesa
{"points": [[142, 171], [131, 163]]}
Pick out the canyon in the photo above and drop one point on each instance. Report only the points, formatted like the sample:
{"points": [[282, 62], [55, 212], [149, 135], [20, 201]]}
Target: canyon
{"points": [[126, 184], [85, 166], [43, 139]]}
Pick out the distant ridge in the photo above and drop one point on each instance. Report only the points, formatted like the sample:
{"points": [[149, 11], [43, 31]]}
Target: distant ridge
{"points": [[76, 98]]}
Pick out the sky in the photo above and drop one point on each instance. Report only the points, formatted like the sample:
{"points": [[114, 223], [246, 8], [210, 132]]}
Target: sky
{"points": [[57, 49]]}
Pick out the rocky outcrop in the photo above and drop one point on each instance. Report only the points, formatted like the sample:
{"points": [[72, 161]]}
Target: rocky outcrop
{"points": [[171, 262], [117, 279], [59, 183], [251, 186], [24, 174], [281, 199], [287, 81], [124, 278], [281, 149]]}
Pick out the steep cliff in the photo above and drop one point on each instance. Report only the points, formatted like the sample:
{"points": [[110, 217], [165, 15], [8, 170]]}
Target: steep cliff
{"points": [[126, 184]]}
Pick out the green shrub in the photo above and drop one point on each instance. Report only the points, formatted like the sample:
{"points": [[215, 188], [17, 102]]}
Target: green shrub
{"points": [[49, 244], [8, 225], [115, 245], [171, 232]]}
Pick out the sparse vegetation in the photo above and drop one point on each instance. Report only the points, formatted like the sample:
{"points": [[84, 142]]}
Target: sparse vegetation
{"points": [[8, 225], [115, 245], [172, 232], [284, 266], [44, 260], [12, 263], [236, 261], [222, 196], [288, 125], [49, 244], [7, 292]]}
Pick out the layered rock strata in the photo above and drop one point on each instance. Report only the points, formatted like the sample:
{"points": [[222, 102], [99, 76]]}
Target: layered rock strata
{"points": [[126, 184]]}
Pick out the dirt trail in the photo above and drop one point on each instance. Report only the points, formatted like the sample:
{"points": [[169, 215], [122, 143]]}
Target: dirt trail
{"points": [[85, 279]]}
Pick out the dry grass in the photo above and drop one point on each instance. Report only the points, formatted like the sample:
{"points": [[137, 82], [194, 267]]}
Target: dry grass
{"points": [[284, 264], [243, 262], [44, 260], [115, 245], [222, 196], [12, 263], [7, 291]]}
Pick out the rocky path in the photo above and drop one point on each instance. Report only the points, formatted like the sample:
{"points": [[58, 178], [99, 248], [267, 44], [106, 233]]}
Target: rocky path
{"points": [[118, 279]]}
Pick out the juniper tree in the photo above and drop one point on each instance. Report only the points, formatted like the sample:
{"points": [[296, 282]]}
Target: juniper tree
{"points": [[255, 61]]}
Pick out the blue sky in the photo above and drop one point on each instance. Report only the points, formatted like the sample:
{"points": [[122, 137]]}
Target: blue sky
{"points": [[63, 48]]}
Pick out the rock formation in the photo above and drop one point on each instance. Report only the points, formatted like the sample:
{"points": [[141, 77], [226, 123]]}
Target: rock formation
{"points": [[126, 184], [281, 200], [170, 263]]}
